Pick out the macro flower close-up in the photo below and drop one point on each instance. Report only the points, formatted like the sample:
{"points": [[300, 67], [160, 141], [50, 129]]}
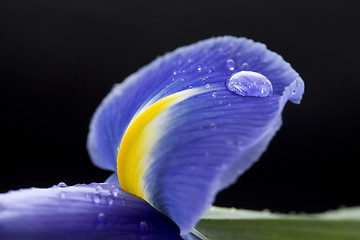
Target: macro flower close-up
{"points": [[175, 133], [210, 140]]}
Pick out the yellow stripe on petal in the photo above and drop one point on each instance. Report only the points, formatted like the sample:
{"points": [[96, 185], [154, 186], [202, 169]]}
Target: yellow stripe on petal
{"points": [[140, 137]]}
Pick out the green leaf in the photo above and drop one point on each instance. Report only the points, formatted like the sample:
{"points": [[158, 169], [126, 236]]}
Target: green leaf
{"points": [[224, 223]]}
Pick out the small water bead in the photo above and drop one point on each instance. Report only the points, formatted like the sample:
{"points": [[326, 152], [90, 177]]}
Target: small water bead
{"points": [[115, 191], [62, 185], [230, 64], [100, 219], [110, 200], [144, 228], [96, 198], [207, 85], [244, 67], [199, 69], [247, 83], [212, 125], [98, 189], [213, 94], [190, 87]]}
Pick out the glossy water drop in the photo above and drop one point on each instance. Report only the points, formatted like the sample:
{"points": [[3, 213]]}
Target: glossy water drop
{"points": [[247, 83], [115, 191], [212, 125], [199, 69], [62, 185], [230, 64], [96, 198], [110, 200], [207, 85], [100, 219], [213, 94], [190, 87], [98, 189], [244, 67], [144, 228]]}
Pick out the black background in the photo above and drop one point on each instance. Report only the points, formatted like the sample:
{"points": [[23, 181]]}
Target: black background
{"points": [[58, 59]]}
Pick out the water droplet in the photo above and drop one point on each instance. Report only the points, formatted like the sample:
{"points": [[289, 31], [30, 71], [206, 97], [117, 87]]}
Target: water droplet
{"points": [[100, 219], [62, 195], [174, 72], [110, 200], [229, 104], [230, 64], [98, 189], [96, 198], [199, 69], [62, 185], [190, 87], [144, 228], [212, 125], [115, 191], [247, 83], [213, 94], [189, 60], [207, 85], [182, 79], [244, 67]]}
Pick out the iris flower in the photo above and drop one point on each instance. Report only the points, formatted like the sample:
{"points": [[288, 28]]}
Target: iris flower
{"points": [[174, 133]]}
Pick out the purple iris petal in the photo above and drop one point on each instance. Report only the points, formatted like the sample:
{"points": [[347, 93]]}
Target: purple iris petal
{"points": [[207, 140], [95, 211]]}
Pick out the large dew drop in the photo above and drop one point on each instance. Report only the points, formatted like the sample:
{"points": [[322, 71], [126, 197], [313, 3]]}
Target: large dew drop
{"points": [[247, 83]]}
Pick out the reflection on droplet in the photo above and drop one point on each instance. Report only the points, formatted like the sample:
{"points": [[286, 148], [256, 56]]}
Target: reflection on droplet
{"points": [[115, 191], [244, 67], [98, 189], [110, 200], [62, 185], [100, 219], [230, 64], [247, 83], [144, 228], [213, 94], [199, 69], [96, 198], [207, 85]]}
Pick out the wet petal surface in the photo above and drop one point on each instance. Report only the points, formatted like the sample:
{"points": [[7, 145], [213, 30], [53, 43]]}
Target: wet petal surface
{"points": [[176, 133], [95, 211]]}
